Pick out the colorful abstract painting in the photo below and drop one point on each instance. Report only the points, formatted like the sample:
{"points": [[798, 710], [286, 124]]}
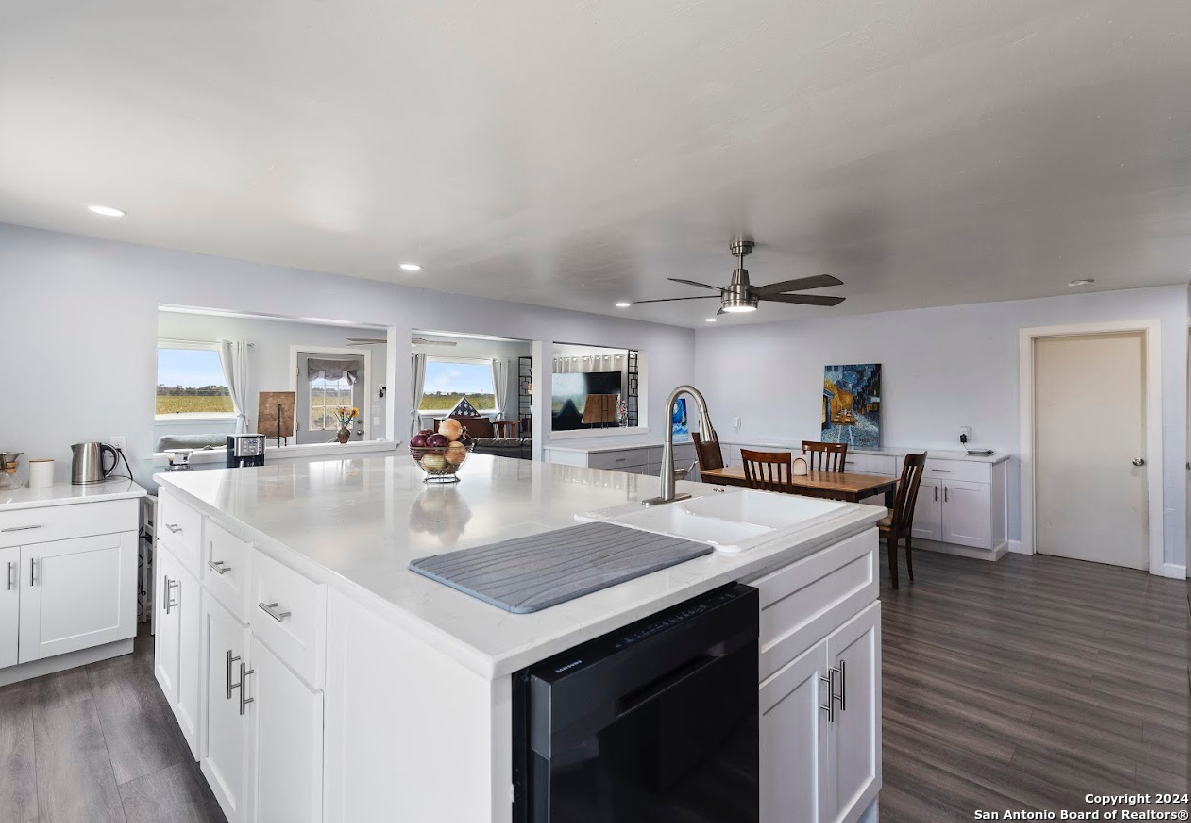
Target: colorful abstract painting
{"points": [[852, 405]]}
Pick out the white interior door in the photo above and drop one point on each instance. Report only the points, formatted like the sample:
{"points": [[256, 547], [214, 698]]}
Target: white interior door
{"points": [[1089, 428], [77, 593], [10, 604]]}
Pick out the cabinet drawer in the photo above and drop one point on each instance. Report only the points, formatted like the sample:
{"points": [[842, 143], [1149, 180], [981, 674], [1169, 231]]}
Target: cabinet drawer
{"points": [[958, 470], [183, 525], [620, 460], [289, 613], [801, 602], [25, 526], [225, 569], [872, 463]]}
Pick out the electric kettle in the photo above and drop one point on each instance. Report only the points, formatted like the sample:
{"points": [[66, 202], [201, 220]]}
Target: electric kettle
{"points": [[88, 466]]}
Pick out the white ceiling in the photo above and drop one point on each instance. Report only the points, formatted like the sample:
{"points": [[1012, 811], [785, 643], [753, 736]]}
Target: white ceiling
{"points": [[574, 153]]}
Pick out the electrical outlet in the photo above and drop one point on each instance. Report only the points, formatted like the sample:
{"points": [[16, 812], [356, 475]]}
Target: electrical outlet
{"points": [[120, 442], [965, 432], [736, 423]]}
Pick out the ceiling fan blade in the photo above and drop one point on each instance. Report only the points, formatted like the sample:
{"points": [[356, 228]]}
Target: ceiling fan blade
{"points": [[804, 299], [817, 282], [368, 339], [672, 299], [692, 283], [422, 341]]}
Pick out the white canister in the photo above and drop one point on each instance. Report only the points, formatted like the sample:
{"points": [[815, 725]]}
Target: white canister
{"points": [[41, 473]]}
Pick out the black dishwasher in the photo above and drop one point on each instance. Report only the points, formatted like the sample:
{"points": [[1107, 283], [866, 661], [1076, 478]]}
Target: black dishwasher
{"points": [[653, 723]]}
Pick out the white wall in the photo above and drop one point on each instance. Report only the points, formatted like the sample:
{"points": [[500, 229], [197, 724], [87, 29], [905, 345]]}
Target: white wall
{"points": [[942, 368], [88, 309], [270, 362]]}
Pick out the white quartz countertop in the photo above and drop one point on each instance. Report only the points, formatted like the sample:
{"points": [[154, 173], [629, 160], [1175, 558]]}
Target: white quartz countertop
{"points": [[64, 494], [356, 523], [935, 454], [612, 443]]}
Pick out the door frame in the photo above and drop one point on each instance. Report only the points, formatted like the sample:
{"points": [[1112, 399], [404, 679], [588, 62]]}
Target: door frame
{"points": [[1150, 331], [359, 351]]}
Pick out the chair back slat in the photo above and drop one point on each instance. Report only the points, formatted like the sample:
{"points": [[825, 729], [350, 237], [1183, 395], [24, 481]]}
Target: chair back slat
{"points": [[769, 471], [708, 453], [828, 457], [906, 497]]}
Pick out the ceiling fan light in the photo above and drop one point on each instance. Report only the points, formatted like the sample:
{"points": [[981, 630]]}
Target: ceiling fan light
{"points": [[739, 308]]}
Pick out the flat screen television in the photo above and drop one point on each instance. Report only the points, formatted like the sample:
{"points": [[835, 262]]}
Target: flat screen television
{"points": [[568, 398]]}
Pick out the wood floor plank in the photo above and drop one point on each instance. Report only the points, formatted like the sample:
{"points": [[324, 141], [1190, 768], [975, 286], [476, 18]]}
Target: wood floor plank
{"points": [[1030, 682], [60, 688], [74, 774], [177, 794], [18, 776], [141, 733]]}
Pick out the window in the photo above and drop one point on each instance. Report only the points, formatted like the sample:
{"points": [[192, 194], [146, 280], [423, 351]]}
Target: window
{"points": [[325, 397], [190, 382], [448, 379]]}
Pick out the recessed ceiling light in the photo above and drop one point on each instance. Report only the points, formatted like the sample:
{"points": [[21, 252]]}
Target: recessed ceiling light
{"points": [[1083, 281], [410, 267], [622, 305], [107, 211], [710, 319]]}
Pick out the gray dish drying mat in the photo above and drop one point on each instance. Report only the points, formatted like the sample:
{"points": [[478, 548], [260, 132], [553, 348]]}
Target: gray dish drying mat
{"points": [[526, 574]]}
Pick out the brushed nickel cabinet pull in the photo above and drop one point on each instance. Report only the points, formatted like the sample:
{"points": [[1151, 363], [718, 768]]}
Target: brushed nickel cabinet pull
{"points": [[273, 612], [936, 494], [173, 527], [830, 707], [843, 687], [244, 701], [230, 660], [219, 566], [11, 577], [20, 528], [169, 602], [32, 569], [946, 495]]}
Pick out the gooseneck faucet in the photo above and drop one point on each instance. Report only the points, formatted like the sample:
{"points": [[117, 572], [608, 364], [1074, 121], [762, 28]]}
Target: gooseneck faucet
{"points": [[706, 431]]}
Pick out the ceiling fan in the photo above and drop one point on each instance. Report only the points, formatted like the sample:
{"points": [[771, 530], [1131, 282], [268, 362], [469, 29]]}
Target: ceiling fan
{"points": [[417, 341], [740, 296]]}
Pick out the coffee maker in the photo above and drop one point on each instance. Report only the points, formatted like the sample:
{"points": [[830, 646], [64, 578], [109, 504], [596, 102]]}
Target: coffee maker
{"points": [[245, 450]]}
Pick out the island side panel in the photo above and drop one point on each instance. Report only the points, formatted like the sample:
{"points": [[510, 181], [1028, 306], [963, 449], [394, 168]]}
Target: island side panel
{"points": [[410, 733]]}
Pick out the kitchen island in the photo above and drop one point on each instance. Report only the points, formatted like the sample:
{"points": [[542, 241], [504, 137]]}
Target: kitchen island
{"points": [[321, 680]]}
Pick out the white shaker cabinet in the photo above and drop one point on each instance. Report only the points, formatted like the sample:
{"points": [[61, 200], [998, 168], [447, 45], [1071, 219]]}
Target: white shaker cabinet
{"points": [[854, 739], [10, 605], [176, 648], [965, 520], [286, 742], [224, 741], [928, 510], [75, 594], [793, 734]]}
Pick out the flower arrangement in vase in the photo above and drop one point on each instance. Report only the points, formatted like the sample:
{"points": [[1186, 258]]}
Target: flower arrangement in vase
{"points": [[345, 417]]}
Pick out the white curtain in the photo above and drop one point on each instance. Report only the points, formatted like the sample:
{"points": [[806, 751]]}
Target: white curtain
{"points": [[419, 385], [233, 356], [500, 383]]}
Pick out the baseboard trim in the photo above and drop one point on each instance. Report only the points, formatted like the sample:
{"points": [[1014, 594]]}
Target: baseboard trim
{"points": [[960, 551], [62, 662], [1015, 547], [1175, 570]]}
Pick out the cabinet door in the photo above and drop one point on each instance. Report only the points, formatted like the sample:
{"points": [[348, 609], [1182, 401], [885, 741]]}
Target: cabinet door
{"points": [[967, 514], [10, 605], [854, 650], [190, 621], [928, 511], [794, 731], [224, 742], [77, 593], [286, 749], [167, 635]]}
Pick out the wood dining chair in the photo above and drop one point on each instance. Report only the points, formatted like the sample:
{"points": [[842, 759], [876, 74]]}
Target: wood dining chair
{"points": [[769, 471], [828, 457], [899, 523], [708, 453]]}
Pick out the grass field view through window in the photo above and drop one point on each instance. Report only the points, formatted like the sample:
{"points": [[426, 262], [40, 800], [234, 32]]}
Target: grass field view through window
{"points": [[449, 380], [190, 381]]}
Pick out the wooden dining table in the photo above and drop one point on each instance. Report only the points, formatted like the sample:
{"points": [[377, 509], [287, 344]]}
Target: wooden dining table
{"points": [[850, 487]]}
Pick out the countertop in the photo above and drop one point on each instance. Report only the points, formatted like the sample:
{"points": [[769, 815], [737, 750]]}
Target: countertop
{"points": [[937, 454], [64, 494], [356, 523], [612, 443]]}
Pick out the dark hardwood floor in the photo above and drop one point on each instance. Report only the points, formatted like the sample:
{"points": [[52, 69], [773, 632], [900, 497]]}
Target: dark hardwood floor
{"points": [[98, 744], [1028, 683], [1023, 684]]}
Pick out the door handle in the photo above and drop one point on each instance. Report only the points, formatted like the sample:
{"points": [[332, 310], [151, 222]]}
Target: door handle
{"points": [[843, 687], [273, 612], [244, 701], [946, 495], [219, 566], [936, 494], [20, 528], [1139, 461], [32, 569], [11, 577], [830, 707], [230, 660], [169, 602]]}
